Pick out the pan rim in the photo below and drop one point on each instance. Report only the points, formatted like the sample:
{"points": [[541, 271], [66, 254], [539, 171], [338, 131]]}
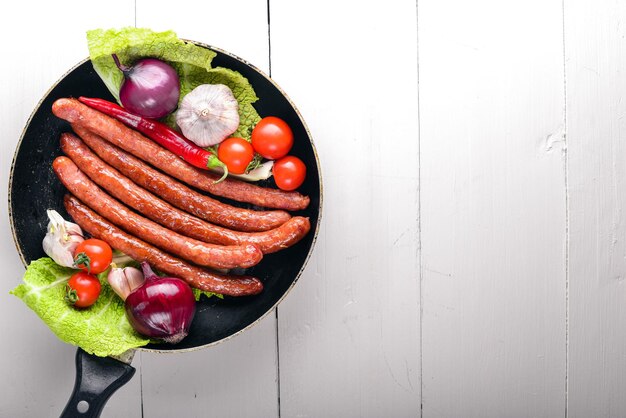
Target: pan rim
{"points": [[319, 209]]}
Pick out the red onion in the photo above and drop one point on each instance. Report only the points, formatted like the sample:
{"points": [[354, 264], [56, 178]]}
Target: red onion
{"points": [[163, 307], [151, 87]]}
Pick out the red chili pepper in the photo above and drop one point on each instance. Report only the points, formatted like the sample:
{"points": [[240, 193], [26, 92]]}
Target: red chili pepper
{"points": [[159, 133]]}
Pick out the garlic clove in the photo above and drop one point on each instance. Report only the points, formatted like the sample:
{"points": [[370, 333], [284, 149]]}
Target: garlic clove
{"points": [[208, 114], [125, 280], [61, 239], [134, 277]]}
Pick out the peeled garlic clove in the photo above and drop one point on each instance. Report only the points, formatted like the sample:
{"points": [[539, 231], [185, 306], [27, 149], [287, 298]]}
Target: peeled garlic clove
{"points": [[124, 280], [61, 239], [208, 114]]}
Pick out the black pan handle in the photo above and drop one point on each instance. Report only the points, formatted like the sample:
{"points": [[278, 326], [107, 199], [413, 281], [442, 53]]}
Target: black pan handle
{"points": [[96, 380]]}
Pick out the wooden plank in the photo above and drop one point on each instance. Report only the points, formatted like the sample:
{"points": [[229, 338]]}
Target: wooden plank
{"points": [[349, 331], [493, 208], [239, 26], [594, 45], [237, 378], [42, 41]]}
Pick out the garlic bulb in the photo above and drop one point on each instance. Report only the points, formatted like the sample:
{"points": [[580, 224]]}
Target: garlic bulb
{"points": [[125, 280], [208, 114], [61, 239]]}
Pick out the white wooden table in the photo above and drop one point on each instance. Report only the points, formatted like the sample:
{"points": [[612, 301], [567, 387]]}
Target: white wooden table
{"points": [[472, 256]]}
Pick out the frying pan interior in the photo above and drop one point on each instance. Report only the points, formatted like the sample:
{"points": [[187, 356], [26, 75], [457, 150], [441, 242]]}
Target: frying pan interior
{"points": [[34, 188]]}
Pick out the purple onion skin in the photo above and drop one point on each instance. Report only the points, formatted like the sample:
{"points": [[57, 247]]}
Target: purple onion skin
{"points": [[151, 88], [163, 307]]}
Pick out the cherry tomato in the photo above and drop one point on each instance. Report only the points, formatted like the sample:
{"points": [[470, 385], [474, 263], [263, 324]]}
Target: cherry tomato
{"points": [[236, 153], [272, 138], [82, 290], [289, 172], [93, 256]]}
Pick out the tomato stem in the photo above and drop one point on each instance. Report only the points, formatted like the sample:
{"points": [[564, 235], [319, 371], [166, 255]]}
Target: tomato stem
{"points": [[70, 295], [82, 260]]}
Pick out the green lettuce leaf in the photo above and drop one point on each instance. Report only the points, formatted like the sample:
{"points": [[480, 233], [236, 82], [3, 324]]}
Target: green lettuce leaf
{"points": [[101, 329], [192, 62], [197, 293]]}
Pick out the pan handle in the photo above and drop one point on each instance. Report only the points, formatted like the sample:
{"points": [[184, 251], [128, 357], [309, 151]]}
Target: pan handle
{"points": [[96, 380]]}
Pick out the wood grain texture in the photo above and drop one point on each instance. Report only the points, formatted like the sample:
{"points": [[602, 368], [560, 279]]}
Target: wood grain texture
{"points": [[238, 379], [596, 83], [493, 208], [349, 331], [238, 26], [44, 40]]}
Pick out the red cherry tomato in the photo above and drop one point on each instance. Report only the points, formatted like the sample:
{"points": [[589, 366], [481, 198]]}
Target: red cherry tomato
{"points": [[236, 153], [272, 138], [93, 256], [289, 172], [82, 289]]}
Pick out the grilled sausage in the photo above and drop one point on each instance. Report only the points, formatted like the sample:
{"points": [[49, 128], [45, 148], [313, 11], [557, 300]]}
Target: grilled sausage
{"points": [[180, 195], [132, 141], [216, 256], [196, 277], [159, 211]]}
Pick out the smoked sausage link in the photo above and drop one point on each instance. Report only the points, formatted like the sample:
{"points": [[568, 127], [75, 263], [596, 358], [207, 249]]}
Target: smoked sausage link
{"points": [[210, 255], [177, 193], [140, 251], [150, 206], [132, 141]]}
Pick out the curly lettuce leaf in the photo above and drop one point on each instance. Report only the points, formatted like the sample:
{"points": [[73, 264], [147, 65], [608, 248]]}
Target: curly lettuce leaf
{"points": [[197, 293], [192, 62], [101, 329]]}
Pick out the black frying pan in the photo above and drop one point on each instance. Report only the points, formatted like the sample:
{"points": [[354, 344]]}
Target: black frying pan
{"points": [[33, 188]]}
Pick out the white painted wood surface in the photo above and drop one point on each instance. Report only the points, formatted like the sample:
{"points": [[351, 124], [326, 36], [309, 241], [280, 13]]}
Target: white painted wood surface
{"points": [[509, 177], [493, 208], [349, 333], [596, 83]]}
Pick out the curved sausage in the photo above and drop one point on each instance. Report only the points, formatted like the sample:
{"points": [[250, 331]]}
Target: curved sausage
{"points": [[132, 141], [160, 211], [140, 251], [180, 195], [216, 256]]}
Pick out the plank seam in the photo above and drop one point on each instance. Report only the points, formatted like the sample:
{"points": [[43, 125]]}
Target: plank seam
{"points": [[567, 215], [269, 40], [277, 363], [141, 384], [269, 61], [419, 217]]}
